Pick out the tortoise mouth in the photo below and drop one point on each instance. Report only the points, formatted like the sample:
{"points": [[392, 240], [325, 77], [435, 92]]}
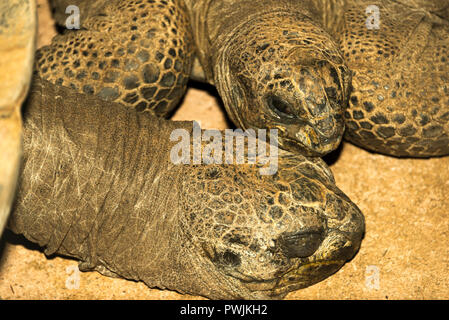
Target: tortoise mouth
{"points": [[337, 248], [309, 140], [308, 134], [279, 287]]}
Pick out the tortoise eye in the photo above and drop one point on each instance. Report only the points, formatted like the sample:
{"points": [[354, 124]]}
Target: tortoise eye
{"points": [[279, 106], [300, 244]]}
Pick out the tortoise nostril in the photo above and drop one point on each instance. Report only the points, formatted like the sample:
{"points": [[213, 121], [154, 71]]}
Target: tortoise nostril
{"points": [[279, 106], [300, 244]]}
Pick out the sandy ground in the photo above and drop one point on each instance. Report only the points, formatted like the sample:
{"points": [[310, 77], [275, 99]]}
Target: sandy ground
{"points": [[404, 255]]}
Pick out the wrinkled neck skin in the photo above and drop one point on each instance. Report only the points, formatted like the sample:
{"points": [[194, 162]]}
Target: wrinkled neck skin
{"points": [[97, 184]]}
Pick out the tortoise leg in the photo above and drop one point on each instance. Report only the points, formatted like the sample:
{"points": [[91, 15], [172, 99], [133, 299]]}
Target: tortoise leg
{"points": [[437, 7], [400, 97], [138, 54], [17, 45]]}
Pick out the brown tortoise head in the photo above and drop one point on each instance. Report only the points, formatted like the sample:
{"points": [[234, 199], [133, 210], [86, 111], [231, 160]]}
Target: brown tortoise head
{"points": [[290, 76], [269, 235]]}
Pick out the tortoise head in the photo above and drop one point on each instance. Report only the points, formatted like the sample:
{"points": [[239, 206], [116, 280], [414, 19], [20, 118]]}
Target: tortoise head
{"points": [[283, 71], [264, 236]]}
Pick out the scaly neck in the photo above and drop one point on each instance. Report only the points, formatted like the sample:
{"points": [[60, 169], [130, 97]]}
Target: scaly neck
{"points": [[214, 21]]}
